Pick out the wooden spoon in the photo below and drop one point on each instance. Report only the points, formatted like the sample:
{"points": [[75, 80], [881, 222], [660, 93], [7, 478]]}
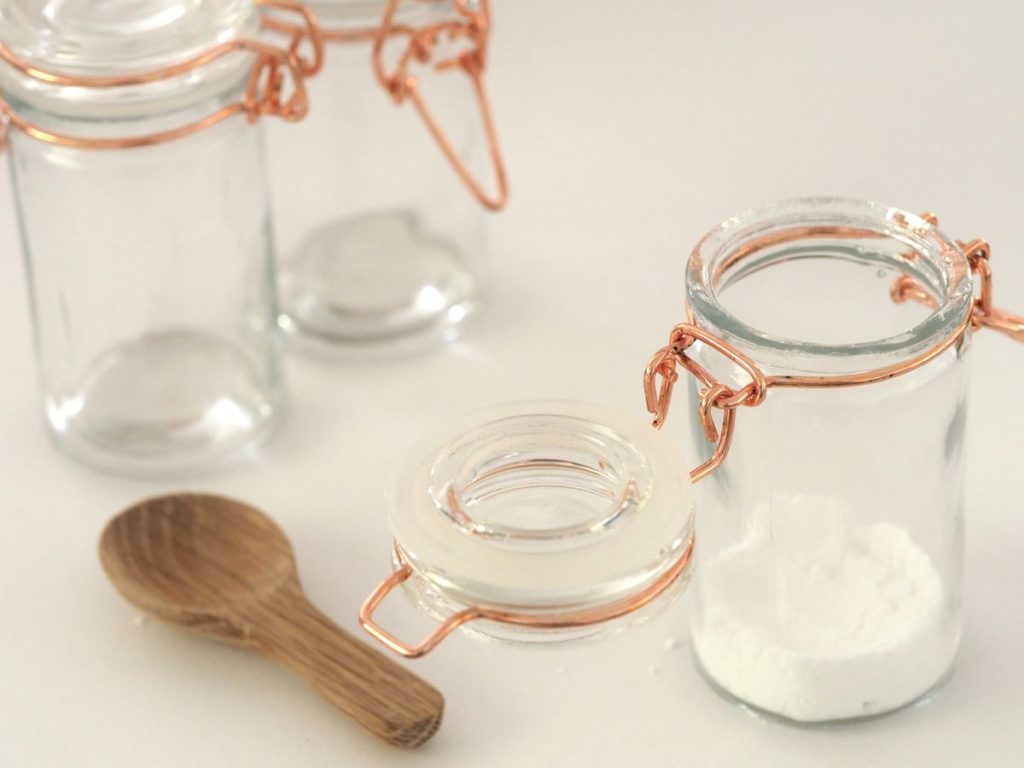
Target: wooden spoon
{"points": [[226, 570]]}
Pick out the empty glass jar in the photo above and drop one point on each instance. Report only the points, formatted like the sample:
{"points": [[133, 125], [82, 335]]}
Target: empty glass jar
{"points": [[142, 202], [826, 359], [381, 195]]}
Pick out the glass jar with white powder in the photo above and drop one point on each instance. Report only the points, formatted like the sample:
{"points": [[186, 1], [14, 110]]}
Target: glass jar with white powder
{"points": [[826, 359]]}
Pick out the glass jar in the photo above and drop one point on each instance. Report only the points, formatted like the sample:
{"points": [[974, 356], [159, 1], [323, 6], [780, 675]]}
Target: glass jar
{"points": [[142, 204], [830, 415], [538, 522], [379, 236]]}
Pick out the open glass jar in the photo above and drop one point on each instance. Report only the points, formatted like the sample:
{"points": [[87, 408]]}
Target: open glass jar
{"points": [[382, 195], [142, 202], [537, 522], [831, 517]]}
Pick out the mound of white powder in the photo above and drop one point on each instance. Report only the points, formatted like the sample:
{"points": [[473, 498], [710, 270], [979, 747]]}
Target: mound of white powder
{"points": [[815, 617]]}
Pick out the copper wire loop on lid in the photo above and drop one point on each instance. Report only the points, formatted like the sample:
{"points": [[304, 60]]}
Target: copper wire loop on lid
{"points": [[553, 621], [268, 90]]}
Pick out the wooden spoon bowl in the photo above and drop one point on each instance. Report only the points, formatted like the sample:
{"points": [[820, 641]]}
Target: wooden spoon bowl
{"points": [[223, 568]]}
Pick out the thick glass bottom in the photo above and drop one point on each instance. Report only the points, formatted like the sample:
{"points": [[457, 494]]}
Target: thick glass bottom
{"points": [[919, 699], [817, 616], [774, 690], [170, 402], [374, 277]]}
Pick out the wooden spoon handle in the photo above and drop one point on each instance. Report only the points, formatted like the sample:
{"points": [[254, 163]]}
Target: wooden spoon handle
{"points": [[372, 689]]}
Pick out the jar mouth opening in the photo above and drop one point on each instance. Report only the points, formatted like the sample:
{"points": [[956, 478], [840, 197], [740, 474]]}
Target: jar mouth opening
{"points": [[893, 241], [525, 481]]}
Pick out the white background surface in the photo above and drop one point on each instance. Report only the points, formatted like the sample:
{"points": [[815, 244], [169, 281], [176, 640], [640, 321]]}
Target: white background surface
{"points": [[630, 129]]}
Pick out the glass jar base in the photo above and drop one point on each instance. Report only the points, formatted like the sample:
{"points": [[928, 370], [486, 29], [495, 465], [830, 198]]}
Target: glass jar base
{"points": [[374, 277], [172, 402], [828, 721]]}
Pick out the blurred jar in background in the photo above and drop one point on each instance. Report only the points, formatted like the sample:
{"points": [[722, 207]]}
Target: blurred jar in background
{"points": [[382, 196], [136, 154]]}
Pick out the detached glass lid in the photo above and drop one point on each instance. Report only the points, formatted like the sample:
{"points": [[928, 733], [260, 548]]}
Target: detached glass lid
{"points": [[538, 521]]}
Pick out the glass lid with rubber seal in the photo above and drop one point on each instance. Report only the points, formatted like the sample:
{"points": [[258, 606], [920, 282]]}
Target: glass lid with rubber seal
{"points": [[538, 521]]}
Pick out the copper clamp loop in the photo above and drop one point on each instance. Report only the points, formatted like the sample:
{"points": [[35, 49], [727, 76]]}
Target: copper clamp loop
{"points": [[554, 621], [470, 25], [713, 394], [307, 33], [985, 314], [264, 94], [663, 366]]}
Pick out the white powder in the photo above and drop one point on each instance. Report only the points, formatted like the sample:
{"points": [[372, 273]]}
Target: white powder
{"points": [[815, 617]]}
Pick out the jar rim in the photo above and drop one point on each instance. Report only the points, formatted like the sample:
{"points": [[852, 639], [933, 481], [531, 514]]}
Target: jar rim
{"points": [[723, 247]]}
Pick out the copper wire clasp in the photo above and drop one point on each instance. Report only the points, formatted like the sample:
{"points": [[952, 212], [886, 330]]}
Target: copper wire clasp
{"points": [[985, 315], [305, 34], [469, 25], [714, 394], [265, 94], [553, 621], [662, 365], [377, 597]]}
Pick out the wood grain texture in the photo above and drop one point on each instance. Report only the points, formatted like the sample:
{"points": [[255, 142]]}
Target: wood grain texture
{"points": [[221, 568]]}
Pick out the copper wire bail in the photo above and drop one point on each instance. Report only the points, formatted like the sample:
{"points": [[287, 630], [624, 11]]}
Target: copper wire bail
{"points": [[556, 621], [469, 25], [264, 94], [661, 373]]}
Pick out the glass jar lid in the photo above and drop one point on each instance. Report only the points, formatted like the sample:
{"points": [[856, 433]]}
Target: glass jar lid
{"points": [[542, 520], [111, 38], [89, 37]]}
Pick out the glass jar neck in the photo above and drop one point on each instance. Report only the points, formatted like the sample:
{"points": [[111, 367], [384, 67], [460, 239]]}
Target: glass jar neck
{"points": [[821, 315]]}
